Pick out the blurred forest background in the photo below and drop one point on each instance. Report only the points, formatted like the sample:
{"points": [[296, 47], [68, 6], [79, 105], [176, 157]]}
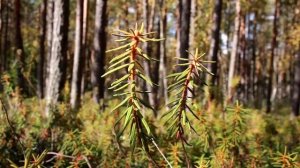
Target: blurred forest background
{"points": [[52, 57]]}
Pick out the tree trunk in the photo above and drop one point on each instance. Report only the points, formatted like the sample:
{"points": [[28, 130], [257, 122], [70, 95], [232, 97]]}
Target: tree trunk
{"points": [[6, 42], [185, 15], [98, 57], [253, 76], [1, 56], [84, 45], [274, 44], [296, 87], [214, 44], [234, 49], [49, 31], [148, 21], [58, 52], [77, 64], [19, 49], [40, 73], [163, 57]]}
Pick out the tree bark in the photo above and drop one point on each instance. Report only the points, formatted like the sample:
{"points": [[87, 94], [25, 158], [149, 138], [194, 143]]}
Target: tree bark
{"points": [[148, 17], [84, 45], [1, 63], [214, 44], [274, 44], [6, 42], [49, 31], [183, 30], [19, 49], [40, 73], [77, 64], [163, 57], [185, 16], [234, 49], [58, 52], [98, 57], [296, 87]]}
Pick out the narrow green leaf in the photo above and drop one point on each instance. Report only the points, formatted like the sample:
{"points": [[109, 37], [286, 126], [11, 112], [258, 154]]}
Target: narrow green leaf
{"points": [[192, 111], [184, 64], [122, 87], [146, 104], [121, 104], [146, 126], [118, 57], [123, 31], [113, 70], [118, 48], [183, 115], [183, 74], [145, 78], [121, 94], [177, 83], [136, 104], [174, 75], [183, 59], [118, 62], [121, 79], [128, 115], [130, 67]]}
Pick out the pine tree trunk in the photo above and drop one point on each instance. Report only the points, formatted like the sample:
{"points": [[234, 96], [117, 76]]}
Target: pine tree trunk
{"points": [[58, 52], [214, 44], [296, 86], [178, 27], [148, 17], [274, 44], [19, 49], [234, 49], [185, 16], [98, 57], [1, 56], [163, 57], [84, 45], [77, 64], [49, 31], [6, 43], [253, 76], [40, 85]]}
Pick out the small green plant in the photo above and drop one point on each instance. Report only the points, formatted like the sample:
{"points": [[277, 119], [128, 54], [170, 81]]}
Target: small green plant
{"points": [[127, 87], [285, 159], [178, 119], [31, 160]]}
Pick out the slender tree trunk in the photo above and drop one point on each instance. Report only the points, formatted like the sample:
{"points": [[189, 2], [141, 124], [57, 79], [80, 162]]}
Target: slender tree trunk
{"points": [[77, 64], [296, 87], [149, 22], [254, 78], [1, 14], [19, 45], [98, 57], [178, 27], [163, 57], [214, 44], [243, 60], [49, 31], [234, 49], [58, 52], [84, 45], [274, 44], [40, 86], [185, 16], [6, 41], [193, 20]]}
